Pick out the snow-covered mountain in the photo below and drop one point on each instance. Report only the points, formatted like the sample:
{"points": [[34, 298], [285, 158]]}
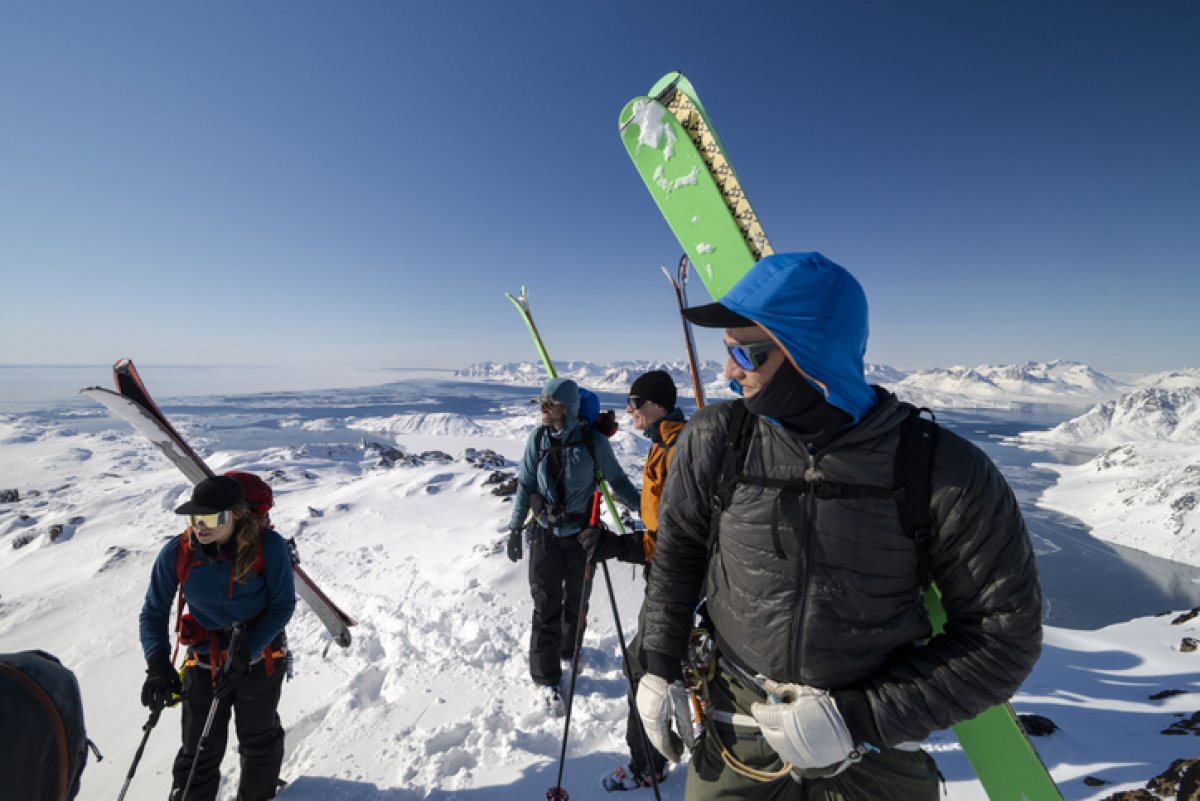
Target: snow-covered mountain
{"points": [[611, 377], [1165, 408], [1142, 489], [985, 386], [1000, 386]]}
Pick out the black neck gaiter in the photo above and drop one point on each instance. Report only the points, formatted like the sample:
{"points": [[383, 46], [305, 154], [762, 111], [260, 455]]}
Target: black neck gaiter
{"points": [[799, 406]]}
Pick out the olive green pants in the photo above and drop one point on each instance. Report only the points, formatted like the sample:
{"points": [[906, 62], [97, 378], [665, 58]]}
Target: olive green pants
{"points": [[887, 775]]}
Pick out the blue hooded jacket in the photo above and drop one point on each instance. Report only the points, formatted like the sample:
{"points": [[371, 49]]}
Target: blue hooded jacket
{"points": [[817, 312], [579, 481]]}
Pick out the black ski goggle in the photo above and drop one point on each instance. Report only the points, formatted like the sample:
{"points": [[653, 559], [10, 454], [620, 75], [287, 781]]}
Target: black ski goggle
{"points": [[750, 355], [211, 521]]}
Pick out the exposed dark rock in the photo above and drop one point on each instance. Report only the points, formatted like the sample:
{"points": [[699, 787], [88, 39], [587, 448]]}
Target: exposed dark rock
{"points": [[23, 539], [1185, 617], [76, 520], [438, 457], [1188, 725], [1166, 784], [10, 496], [113, 556], [56, 531], [1166, 694], [484, 458], [506, 489], [1092, 781], [497, 477], [1037, 725], [315, 512], [1187, 645]]}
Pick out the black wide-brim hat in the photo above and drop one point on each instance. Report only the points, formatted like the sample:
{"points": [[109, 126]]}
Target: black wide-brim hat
{"points": [[212, 495]]}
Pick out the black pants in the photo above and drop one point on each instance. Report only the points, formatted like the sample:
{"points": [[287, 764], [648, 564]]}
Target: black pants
{"points": [[260, 734], [556, 567], [642, 755]]}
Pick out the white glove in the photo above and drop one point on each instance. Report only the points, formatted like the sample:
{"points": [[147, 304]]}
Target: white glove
{"points": [[666, 715], [805, 727]]}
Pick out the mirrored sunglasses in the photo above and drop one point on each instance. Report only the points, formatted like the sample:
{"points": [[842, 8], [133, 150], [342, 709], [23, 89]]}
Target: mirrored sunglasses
{"points": [[211, 521], [750, 355], [634, 402]]}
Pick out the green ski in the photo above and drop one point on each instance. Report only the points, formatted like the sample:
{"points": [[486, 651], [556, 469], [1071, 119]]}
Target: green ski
{"points": [[679, 156], [522, 303]]}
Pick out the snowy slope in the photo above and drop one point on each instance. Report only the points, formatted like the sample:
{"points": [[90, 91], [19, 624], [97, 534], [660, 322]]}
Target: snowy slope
{"points": [[1142, 487], [1001, 386], [432, 698]]}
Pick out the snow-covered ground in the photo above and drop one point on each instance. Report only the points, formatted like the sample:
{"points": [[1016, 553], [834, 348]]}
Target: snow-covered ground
{"points": [[1141, 489], [432, 699]]}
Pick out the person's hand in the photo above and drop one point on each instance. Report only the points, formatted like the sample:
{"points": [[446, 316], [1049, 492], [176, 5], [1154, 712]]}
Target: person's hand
{"points": [[805, 728], [162, 683], [666, 715], [514, 544], [600, 543], [236, 668]]}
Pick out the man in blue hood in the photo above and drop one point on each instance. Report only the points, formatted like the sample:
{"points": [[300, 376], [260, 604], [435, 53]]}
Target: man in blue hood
{"points": [[788, 513]]}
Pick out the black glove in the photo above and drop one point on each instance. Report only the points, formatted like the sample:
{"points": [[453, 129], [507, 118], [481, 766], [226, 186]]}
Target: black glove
{"points": [[601, 544], [514, 544], [236, 668], [162, 682]]}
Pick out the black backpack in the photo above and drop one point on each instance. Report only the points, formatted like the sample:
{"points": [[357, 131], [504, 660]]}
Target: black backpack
{"points": [[911, 487], [43, 745]]}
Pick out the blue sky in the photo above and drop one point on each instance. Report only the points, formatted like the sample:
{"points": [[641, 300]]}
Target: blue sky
{"points": [[309, 183]]}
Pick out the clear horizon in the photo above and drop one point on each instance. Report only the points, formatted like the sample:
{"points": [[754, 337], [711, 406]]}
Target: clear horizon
{"points": [[315, 184]]}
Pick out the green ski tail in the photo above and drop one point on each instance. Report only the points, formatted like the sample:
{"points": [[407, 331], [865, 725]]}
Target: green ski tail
{"points": [[679, 157], [522, 303]]}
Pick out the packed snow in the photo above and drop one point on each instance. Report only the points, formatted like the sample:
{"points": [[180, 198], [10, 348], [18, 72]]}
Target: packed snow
{"points": [[389, 493], [1141, 488]]}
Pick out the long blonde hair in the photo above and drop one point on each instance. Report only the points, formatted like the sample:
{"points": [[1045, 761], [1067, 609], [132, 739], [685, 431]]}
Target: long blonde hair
{"points": [[247, 532]]}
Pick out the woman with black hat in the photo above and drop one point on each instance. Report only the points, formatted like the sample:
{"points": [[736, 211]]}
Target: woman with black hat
{"points": [[230, 569]]}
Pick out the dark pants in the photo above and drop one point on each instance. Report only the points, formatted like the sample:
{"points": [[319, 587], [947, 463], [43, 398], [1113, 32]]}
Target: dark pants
{"points": [[260, 734], [889, 775], [642, 755], [556, 567]]}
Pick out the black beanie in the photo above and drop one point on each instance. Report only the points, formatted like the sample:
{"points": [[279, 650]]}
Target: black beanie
{"points": [[655, 386]]}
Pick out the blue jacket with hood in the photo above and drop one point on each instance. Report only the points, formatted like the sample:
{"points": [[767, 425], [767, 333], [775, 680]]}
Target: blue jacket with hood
{"points": [[579, 479]]}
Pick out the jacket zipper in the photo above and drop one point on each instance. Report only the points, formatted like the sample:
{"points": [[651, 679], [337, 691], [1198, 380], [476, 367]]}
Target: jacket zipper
{"points": [[804, 573]]}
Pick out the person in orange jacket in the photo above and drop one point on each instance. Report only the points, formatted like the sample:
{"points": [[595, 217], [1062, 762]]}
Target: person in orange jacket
{"points": [[652, 410]]}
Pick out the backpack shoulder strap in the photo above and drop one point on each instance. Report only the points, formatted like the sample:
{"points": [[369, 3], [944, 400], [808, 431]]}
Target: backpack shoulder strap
{"points": [[914, 480], [741, 422]]}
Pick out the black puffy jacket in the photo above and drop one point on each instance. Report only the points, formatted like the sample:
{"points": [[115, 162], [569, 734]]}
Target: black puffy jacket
{"points": [[831, 598]]}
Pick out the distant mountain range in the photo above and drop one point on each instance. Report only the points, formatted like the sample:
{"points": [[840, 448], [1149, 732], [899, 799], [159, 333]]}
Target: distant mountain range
{"points": [[1142, 488], [985, 386]]}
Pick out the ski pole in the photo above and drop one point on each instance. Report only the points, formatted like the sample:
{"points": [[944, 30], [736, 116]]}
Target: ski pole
{"points": [[679, 284], [137, 757], [629, 696], [557, 793], [235, 640]]}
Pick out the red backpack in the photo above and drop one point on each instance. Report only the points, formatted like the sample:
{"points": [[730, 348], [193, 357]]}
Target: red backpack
{"points": [[260, 499]]}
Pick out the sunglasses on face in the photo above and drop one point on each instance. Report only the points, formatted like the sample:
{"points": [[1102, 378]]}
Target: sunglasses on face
{"points": [[211, 521], [634, 402], [547, 401], [750, 355]]}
